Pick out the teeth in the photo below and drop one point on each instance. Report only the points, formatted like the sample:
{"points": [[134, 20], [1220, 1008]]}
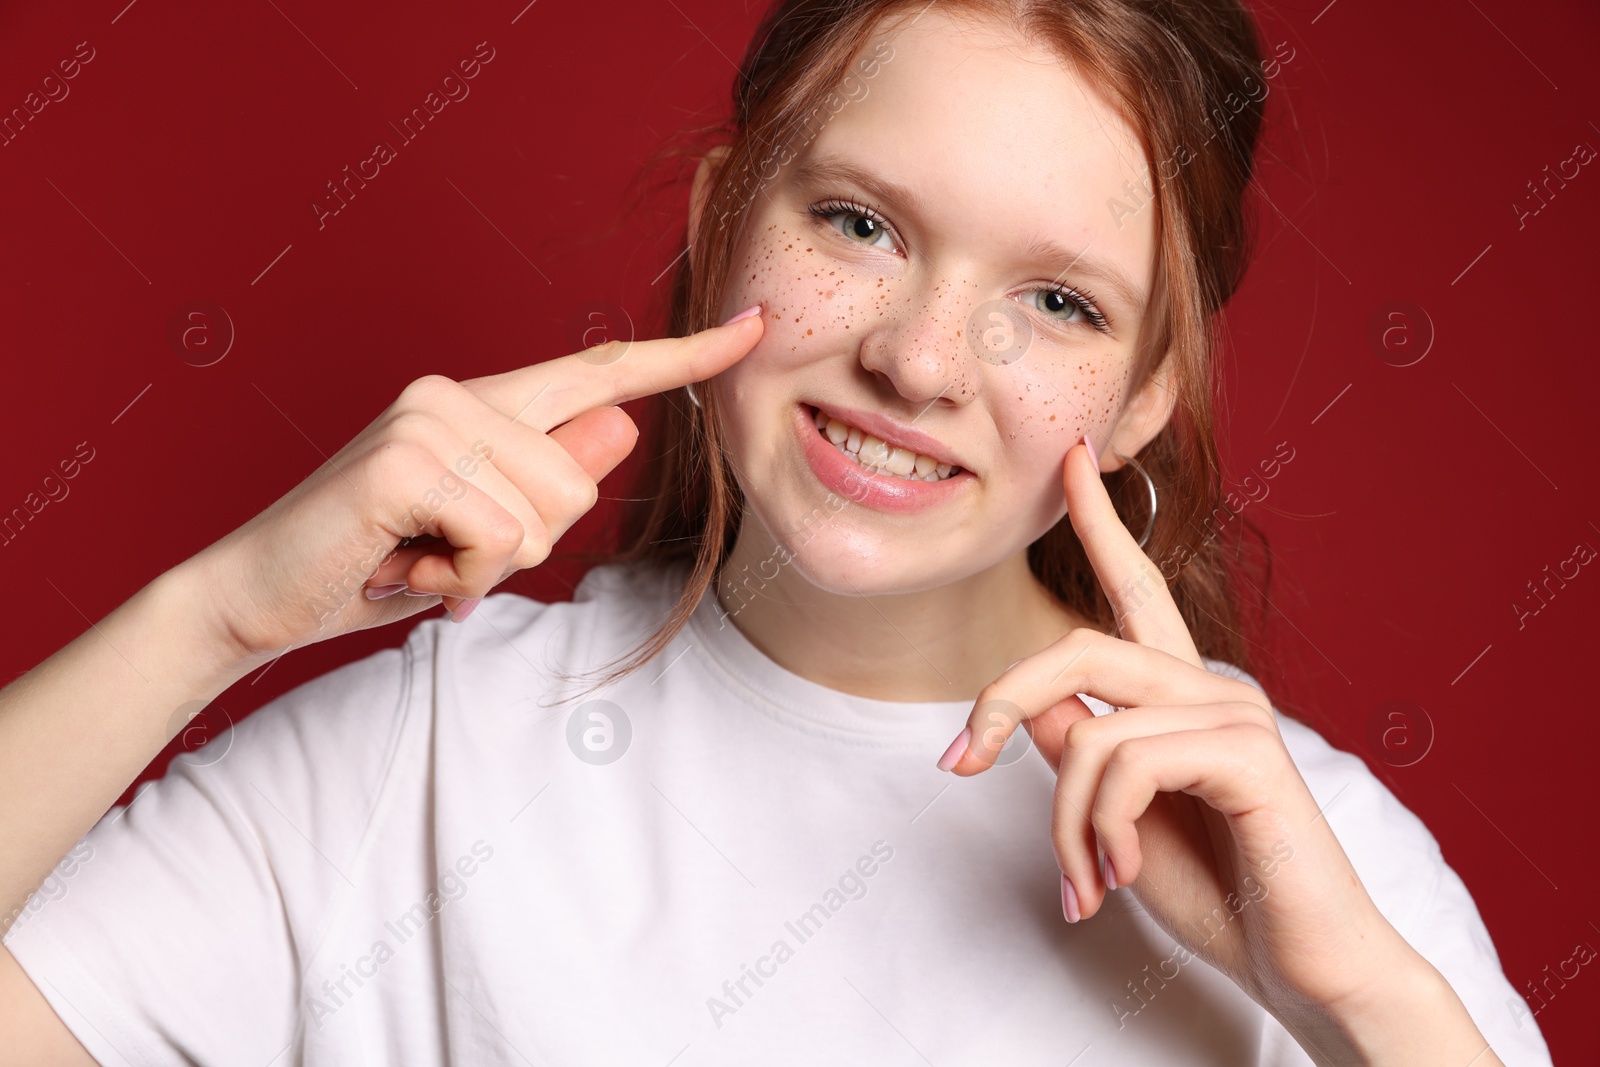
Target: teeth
{"points": [[902, 461], [873, 452], [876, 455]]}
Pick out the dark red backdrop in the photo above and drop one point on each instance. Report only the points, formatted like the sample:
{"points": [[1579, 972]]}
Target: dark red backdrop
{"points": [[1439, 467]]}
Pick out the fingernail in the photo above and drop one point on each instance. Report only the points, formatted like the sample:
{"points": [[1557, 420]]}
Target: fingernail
{"points": [[952, 755], [1111, 875], [1089, 441], [753, 309], [1069, 901], [465, 608], [378, 592], [415, 592]]}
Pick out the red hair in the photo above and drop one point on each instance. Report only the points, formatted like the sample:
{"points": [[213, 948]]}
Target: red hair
{"points": [[1166, 68]]}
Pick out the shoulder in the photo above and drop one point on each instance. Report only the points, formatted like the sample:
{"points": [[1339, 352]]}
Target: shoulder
{"points": [[614, 608], [366, 706]]}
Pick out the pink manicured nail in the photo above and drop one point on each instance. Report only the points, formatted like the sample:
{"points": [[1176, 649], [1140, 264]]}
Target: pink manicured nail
{"points": [[952, 755], [753, 309], [465, 608], [1111, 875], [1069, 901], [1087, 440], [378, 592]]}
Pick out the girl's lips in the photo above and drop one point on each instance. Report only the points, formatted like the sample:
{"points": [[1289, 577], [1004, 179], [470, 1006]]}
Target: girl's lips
{"points": [[884, 492]]}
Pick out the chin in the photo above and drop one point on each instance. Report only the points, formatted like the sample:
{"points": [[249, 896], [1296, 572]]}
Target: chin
{"points": [[850, 563]]}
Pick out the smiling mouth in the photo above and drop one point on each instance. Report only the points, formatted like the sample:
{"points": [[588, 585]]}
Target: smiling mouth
{"points": [[877, 456]]}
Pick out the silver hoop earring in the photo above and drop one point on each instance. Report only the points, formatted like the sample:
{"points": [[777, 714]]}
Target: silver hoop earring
{"points": [[1150, 486], [689, 388]]}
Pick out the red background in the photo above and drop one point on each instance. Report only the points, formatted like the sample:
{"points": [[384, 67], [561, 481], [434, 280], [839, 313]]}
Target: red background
{"points": [[1420, 501]]}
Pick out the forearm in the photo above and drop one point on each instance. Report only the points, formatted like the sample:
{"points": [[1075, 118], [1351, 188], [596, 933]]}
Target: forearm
{"points": [[76, 729], [1415, 1017]]}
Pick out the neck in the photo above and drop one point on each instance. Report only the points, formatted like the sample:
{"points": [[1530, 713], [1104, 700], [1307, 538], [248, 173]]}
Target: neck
{"points": [[940, 644]]}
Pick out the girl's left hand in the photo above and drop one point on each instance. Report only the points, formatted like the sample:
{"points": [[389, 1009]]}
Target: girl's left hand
{"points": [[1188, 792]]}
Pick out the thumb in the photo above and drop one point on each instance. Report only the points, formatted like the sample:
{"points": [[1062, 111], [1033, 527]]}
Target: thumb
{"points": [[598, 439], [1048, 729]]}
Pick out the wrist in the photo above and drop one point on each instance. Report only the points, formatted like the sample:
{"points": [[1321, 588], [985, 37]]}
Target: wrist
{"points": [[184, 601], [1407, 1014]]}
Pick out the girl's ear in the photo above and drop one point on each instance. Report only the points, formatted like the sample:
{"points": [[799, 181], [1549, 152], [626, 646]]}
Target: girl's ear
{"points": [[1142, 418], [710, 164]]}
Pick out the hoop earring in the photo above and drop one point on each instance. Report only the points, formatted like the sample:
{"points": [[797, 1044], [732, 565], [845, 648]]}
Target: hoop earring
{"points": [[689, 388], [1150, 486]]}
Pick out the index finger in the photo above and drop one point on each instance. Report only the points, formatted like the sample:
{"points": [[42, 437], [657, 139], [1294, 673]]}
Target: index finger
{"points": [[1145, 611], [545, 395]]}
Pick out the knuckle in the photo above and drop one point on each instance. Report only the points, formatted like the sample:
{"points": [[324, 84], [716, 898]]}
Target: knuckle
{"points": [[606, 351], [426, 391], [1102, 821], [578, 494], [1127, 757], [1261, 715], [1079, 735], [502, 532], [536, 546], [1264, 736], [1083, 635], [412, 424]]}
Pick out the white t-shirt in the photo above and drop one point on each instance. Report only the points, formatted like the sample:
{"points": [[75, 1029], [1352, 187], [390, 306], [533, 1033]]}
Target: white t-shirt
{"points": [[418, 858]]}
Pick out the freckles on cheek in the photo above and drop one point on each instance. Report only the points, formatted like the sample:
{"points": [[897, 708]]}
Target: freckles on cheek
{"points": [[812, 300], [1061, 403]]}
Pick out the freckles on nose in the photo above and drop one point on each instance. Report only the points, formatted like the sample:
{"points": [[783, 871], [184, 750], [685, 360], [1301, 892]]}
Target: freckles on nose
{"points": [[943, 302]]}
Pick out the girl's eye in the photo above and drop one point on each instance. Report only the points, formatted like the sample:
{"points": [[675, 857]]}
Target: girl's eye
{"points": [[1060, 302], [862, 225], [866, 226]]}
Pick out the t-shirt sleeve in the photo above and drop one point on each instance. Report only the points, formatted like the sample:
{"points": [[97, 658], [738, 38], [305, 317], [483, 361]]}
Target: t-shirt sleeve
{"points": [[1404, 871], [175, 931], [1451, 935]]}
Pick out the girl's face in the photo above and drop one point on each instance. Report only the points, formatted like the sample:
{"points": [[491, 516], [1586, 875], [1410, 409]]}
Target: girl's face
{"points": [[957, 262]]}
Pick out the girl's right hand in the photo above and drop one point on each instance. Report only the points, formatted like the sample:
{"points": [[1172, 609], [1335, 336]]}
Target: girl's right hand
{"points": [[453, 488]]}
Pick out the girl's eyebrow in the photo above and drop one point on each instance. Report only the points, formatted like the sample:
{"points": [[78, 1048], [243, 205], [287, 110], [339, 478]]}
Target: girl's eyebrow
{"points": [[1046, 250], [817, 169]]}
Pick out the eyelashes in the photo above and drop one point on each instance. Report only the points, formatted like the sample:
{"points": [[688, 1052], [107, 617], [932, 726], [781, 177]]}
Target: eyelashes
{"points": [[826, 211], [1083, 300]]}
